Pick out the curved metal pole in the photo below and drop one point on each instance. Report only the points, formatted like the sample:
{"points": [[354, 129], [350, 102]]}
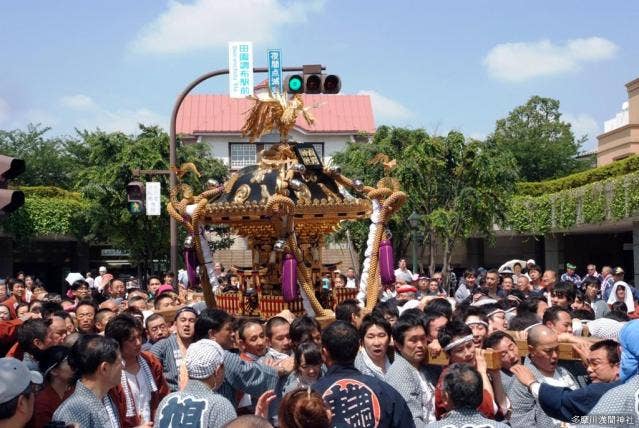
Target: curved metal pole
{"points": [[173, 146]]}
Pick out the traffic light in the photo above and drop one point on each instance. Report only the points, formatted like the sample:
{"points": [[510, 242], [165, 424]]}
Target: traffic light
{"points": [[294, 84], [313, 81], [135, 197], [10, 200]]}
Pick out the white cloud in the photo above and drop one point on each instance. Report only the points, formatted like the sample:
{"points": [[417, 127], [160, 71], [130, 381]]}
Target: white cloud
{"points": [[517, 62], [87, 114], [387, 111], [78, 102], [212, 23], [583, 124]]}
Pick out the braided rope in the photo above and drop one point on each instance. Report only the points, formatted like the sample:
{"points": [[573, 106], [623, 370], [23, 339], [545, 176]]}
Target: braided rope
{"points": [[177, 210], [284, 205], [391, 201]]}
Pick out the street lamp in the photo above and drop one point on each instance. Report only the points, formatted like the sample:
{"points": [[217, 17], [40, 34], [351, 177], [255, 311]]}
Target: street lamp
{"points": [[413, 220]]}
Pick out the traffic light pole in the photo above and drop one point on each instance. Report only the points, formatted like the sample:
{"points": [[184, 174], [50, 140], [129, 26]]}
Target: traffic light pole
{"points": [[173, 145]]}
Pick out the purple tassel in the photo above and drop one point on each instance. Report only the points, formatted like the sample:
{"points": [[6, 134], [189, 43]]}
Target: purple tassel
{"points": [[290, 290], [190, 260], [386, 262]]}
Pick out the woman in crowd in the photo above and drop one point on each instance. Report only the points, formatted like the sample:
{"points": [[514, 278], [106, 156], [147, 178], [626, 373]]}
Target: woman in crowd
{"points": [[5, 314], [621, 293], [58, 380], [307, 368], [304, 408], [372, 358]]}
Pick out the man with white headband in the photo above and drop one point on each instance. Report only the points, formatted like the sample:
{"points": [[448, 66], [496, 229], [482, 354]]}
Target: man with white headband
{"points": [[456, 339], [496, 317], [478, 323]]}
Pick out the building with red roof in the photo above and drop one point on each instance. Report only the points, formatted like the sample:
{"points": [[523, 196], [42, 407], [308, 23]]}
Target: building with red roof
{"points": [[217, 120]]}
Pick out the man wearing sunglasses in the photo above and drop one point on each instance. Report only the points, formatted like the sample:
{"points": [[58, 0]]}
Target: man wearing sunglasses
{"points": [[17, 390]]}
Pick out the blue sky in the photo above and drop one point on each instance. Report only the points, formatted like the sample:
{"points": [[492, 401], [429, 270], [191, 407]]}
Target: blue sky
{"points": [[437, 65]]}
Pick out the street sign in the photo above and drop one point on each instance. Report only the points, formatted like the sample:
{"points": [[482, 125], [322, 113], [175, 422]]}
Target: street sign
{"points": [[275, 70], [153, 201], [240, 69]]}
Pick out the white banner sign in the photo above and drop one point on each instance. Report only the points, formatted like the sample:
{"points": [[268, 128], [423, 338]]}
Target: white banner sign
{"points": [[153, 200], [240, 69]]}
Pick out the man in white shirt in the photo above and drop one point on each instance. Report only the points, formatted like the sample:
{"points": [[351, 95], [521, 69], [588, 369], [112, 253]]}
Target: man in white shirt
{"points": [[402, 274], [97, 283], [351, 280]]}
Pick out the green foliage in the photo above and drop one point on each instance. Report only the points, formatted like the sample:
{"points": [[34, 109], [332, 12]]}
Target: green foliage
{"points": [[48, 211], [612, 199], [458, 187], [542, 144], [615, 169], [96, 166], [111, 158], [48, 160]]}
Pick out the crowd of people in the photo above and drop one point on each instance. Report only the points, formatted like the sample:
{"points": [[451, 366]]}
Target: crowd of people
{"points": [[117, 353]]}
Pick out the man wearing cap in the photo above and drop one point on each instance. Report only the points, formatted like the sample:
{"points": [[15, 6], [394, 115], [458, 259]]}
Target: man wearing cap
{"points": [[198, 405], [406, 298], [97, 282], [570, 275], [172, 350], [17, 392], [96, 359], [617, 276]]}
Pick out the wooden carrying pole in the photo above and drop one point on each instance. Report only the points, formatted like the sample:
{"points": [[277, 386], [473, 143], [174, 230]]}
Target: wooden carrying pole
{"points": [[493, 359]]}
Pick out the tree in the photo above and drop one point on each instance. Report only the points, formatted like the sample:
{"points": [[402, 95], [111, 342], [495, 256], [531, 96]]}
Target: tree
{"points": [[47, 160], [109, 159], [543, 145], [459, 188]]}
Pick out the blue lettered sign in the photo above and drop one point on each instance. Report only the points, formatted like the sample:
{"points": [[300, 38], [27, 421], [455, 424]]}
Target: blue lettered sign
{"points": [[275, 70]]}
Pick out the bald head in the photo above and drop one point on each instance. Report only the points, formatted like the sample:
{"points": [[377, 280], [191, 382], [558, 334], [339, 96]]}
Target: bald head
{"points": [[540, 334], [543, 349]]}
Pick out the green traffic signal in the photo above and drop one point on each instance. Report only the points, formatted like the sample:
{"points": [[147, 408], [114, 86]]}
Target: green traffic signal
{"points": [[135, 207], [295, 83]]}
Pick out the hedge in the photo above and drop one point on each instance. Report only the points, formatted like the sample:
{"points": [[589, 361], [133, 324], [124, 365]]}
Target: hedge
{"points": [[605, 200], [47, 211], [615, 169]]}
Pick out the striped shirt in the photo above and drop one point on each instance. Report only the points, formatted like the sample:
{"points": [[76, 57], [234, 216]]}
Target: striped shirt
{"points": [[168, 351]]}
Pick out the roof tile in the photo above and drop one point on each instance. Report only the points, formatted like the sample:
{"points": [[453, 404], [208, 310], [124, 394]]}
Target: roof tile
{"points": [[213, 113]]}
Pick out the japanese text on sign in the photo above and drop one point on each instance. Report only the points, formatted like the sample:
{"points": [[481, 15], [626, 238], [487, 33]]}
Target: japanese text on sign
{"points": [[275, 70], [153, 201], [240, 69]]}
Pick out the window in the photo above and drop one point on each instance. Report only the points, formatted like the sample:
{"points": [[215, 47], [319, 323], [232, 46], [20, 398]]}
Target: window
{"points": [[319, 148], [242, 154]]}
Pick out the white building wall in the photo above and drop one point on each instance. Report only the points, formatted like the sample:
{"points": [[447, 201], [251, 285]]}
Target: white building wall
{"points": [[219, 143]]}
